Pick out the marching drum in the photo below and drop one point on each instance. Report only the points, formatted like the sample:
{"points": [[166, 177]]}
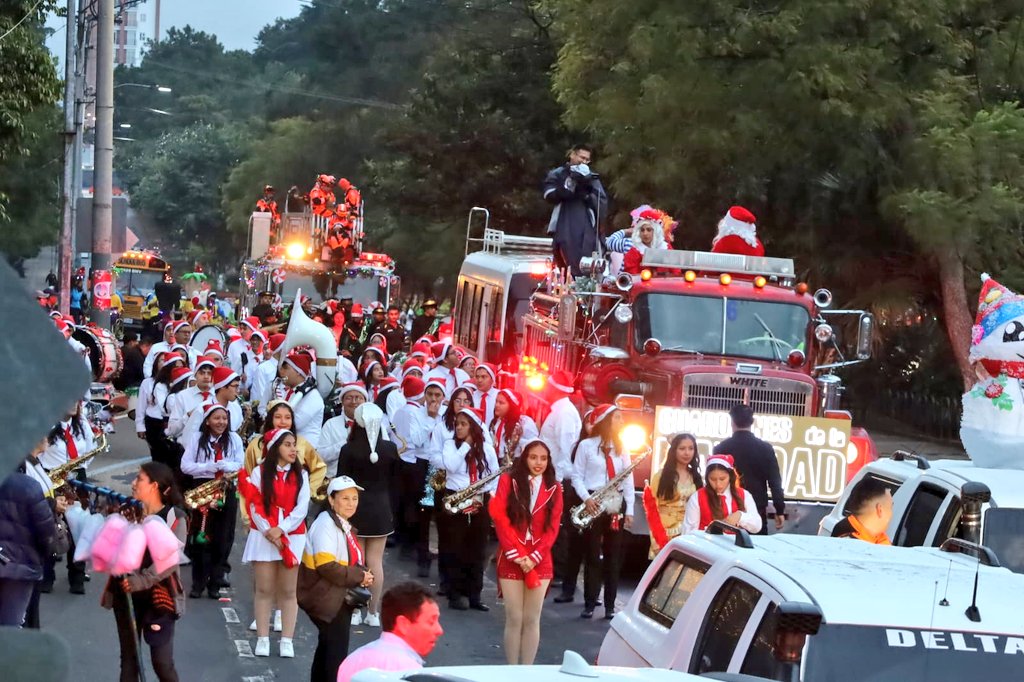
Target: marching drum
{"points": [[104, 352], [205, 334]]}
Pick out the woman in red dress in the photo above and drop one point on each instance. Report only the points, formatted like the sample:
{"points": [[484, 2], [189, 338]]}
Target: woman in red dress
{"points": [[526, 511]]}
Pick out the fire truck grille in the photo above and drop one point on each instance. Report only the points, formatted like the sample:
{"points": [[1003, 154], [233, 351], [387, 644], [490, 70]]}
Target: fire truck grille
{"points": [[764, 401]]}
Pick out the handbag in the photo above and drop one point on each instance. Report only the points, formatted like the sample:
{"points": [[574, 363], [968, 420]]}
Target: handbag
{"points": [[357, 597]]}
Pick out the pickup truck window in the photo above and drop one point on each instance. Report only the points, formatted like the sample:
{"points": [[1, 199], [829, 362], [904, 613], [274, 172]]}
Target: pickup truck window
{"points": [[1004, 535], [760, 660], [724, 623], [921, 512], [892, 484], [671, 587], [856, 653]]}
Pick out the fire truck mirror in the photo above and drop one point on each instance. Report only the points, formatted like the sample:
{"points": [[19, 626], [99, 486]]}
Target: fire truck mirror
{"points": [[865, 330]]}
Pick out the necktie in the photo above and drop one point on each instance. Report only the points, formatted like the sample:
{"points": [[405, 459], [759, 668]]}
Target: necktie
{"points": [[288, 394], [483, 403], [725, 506], [205, 394], [609, 463], [69, 443], [376, 390], [349, 423], [218, 455]]}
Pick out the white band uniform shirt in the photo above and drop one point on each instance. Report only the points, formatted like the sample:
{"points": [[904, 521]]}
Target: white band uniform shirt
{"points": [[453, 460], [560, 432], [590, 471], [750, 519]]}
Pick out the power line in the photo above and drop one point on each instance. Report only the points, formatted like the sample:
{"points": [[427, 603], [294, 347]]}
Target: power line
{"points": [[20, 21]]}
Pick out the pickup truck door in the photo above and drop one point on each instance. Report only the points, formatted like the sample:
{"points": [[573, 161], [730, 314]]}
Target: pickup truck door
{"points": [[734, 627], [929, 512]]}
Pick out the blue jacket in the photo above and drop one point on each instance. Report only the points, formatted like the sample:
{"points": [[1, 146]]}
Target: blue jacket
{"points": [[580, 208], [27, 528]]}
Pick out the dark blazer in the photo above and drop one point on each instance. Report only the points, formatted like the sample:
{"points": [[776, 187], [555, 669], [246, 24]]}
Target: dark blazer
{"points": [[28, 529], [758, 468]]}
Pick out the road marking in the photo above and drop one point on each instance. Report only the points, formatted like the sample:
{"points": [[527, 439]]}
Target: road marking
{"points": [[118, 417], [244, 648], [128, 463], [230, 615], [261, 678]]}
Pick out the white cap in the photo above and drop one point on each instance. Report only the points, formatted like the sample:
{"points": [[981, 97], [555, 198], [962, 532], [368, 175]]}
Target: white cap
{"points": [[342, 483]]}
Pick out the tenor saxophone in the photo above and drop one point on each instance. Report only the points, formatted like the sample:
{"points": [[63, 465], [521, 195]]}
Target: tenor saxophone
{"points": [[59, 474], [209, 493], [608, 497], [462, 500]]}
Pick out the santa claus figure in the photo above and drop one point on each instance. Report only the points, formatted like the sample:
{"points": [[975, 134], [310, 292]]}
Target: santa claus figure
{"points": [[737, 233]]}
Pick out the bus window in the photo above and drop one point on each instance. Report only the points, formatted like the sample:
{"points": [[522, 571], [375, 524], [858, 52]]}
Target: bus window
{"points": [[461, 310], [496, 312], [474, 318]]}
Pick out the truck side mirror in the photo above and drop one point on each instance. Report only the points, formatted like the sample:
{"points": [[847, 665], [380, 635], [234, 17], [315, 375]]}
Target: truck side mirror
{"points": [[795, 621]]}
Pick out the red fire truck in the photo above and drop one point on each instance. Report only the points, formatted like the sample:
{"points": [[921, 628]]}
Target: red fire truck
{"points": [[696, 333]]}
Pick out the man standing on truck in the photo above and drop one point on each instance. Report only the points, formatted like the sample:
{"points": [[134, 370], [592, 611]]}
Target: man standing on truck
{"points": [[756, 464], [870, 506], [581, 204]]}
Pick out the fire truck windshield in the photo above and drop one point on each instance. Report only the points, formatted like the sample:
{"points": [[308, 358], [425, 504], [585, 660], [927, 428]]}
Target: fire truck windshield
{"points": [[720, 326]]}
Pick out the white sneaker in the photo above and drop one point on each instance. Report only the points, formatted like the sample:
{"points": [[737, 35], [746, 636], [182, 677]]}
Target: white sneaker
{"points": [[287, 650], [252, 625], [357, 618], [277, 621], [372, 620], [262, 646]]}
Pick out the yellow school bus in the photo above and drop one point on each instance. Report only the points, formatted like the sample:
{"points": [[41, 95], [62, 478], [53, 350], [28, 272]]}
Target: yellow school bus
{"points": [[136, 276]]}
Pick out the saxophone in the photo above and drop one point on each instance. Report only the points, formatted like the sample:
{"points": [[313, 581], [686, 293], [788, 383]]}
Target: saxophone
{"points": [[608, 497], [59, 475], [465, 498], [210, 493], [511, 443]]}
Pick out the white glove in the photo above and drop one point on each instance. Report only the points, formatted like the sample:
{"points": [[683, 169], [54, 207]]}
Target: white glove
{"points": [[582, 168]]}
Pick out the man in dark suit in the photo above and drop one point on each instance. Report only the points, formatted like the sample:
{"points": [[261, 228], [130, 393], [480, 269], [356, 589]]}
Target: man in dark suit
{"points": [[756, 464]]}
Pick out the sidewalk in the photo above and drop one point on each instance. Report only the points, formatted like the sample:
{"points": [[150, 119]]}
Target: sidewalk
{"points": [[887, 443]]}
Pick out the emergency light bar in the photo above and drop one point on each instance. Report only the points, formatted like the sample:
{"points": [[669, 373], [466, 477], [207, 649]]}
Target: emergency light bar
{"points": [[782, 269], [497, 242]]}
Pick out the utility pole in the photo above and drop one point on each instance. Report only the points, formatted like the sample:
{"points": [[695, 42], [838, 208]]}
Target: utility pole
{"points": [[69, 193], [102, 213]]}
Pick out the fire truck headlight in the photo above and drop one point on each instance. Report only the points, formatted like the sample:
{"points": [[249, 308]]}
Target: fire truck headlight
{"points": [[823, 332], [295, 250], [633, 437], [623, 313]]}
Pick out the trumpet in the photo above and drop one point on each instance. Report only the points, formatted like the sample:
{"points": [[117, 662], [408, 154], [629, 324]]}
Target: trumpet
{"points": [[608, 497], [210, 493], [59, 475], [465, 498]]}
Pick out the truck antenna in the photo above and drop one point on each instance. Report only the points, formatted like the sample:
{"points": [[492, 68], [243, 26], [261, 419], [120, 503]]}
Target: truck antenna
{"points": [[972, 612], [945, 593]]}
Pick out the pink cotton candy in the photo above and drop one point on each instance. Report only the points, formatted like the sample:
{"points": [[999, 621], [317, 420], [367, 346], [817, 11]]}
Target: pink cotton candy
{"points": [[107, 542], [90, 529], [163, 544], [131, 552]]}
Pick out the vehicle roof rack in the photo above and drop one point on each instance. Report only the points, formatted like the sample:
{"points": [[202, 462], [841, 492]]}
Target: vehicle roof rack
{"points": [[905, 455], [498, 242], [721, 528], [980, 552], [781, 270]]}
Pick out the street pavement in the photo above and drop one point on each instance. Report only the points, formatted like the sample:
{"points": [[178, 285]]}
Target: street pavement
{"points": [[213, 642]]}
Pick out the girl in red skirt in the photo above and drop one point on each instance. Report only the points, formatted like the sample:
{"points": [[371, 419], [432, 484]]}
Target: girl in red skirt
{"points": [[526, 511]]}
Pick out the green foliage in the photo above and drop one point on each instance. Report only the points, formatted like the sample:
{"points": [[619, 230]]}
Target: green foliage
{"points": [[31, 180]]}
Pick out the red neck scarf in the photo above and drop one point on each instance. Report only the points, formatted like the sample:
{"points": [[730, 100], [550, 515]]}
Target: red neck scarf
{"points": [[69, 443], [355, 553]]}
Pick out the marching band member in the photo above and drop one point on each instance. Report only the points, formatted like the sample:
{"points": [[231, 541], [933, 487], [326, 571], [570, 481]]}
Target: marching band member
{"points": [[277, 495], [526, 510], [430, 506], [281, 416], [185, 403], [156, 596], [413, 424], [446, 361], [225, 385], [468, 364], [485, 376], [372, 460], [155, 411], [182, 335], [598, 460], [721, 498], [561, 431], [238, 351], [371, 374], [467, 458], [332, 563], [334, 433], [670, 489], [145, 393], [304, 397], [213, 451], [157, 348], [510, 427], [265, 373], [215, 351], [390, 397]]}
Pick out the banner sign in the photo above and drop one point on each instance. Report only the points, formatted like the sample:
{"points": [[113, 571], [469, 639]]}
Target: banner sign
{"points": [[813, 452], [101, 289]]}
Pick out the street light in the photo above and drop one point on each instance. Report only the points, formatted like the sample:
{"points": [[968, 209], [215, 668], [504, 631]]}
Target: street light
{"points": [[163, 88], [125, 125], [158, 88]]}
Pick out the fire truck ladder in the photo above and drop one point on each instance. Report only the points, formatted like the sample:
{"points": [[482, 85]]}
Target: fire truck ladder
{"points": [[499, 242]]}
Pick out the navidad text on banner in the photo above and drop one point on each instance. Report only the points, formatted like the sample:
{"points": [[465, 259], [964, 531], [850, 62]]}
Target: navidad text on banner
{"points": [[813, 452]]}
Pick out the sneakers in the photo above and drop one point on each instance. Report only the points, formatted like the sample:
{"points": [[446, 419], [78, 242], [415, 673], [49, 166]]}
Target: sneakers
{"points": [[287, 650], [372, 620], [277, 621], [263, 646], [357, 617]]}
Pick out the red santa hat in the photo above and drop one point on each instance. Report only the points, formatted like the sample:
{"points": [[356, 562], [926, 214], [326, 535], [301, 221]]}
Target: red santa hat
{"points": [[260, 335], [356, 387], [252, 322], [724, 461], [274, 435], [179, 374], [490, 369], [62, 326], [413, 388], [357, 310], [382, 354], [232, 334], [512, 396], [476, 414], [210, 408], [179, 325], [439, 383], [561, 381], [300, 362], [213, 347], [602, 412], [206, 361], [440, 351], [411, 365], [222, 376], [193, 317], [738, 222], [276, 341], [368, 366]]}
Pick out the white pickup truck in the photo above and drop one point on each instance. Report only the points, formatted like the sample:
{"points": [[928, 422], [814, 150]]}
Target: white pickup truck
{"points": [[940, 499], [794, 607]]}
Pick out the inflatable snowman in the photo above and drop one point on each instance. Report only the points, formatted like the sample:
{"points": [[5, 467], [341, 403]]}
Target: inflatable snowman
{"points": [[992, 427]]}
